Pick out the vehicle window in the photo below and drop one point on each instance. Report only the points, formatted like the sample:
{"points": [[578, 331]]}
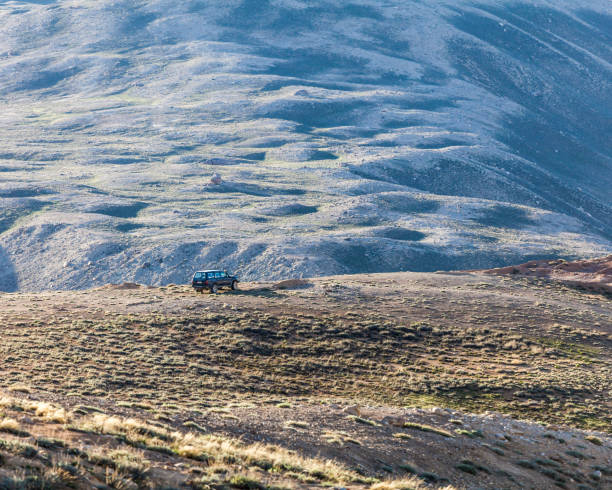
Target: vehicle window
{"points": [[218, 275], [209, 275], [198, 275]]}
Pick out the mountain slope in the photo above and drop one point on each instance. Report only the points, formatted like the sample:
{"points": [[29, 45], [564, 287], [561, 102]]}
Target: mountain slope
{"points": [[372, 136]]}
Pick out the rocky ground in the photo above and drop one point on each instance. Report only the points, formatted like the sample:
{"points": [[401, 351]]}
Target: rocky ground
{"points": [[398, 380]]}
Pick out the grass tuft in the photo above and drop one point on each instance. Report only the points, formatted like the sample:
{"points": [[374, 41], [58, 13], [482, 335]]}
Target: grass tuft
{"points": [[363, 420], [594, 439], [427, 428]]}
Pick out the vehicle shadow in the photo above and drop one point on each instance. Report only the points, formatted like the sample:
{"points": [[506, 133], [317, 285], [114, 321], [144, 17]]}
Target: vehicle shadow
{"points": [[8, 276], [263, 292]]}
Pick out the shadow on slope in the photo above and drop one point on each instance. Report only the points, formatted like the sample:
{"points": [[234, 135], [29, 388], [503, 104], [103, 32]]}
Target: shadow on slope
{"points": [[12, 210], [555, 68], [119, 210], [336, 67], [500, 216], [374, 255], [8, 277]]}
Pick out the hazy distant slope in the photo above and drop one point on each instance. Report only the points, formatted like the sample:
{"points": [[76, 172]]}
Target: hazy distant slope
{"points": [[351, 137]]}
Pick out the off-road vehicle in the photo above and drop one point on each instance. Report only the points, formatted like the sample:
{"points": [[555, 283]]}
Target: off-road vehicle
{"points": [[213, 280]]}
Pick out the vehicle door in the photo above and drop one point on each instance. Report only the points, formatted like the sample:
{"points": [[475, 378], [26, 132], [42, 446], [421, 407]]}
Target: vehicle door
{"points": [[224, 279], [218, 279]]}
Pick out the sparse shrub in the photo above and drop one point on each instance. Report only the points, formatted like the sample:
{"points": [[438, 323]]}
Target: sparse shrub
{"points": [[20, 449], [11, 404], [575, 454], [192, 425], [85, 409], [472, 434], [245, 483], [20, 388], [363, 420], [429, 477], [50, 443], [11, 426], [403, 484], [553, 475], [527, 464], [427, 428], [408, 468], [402, 435], [594, 439], [116, 479], [130, 462], [467, 468], [61, 476], [48, 412], [471, 467], [496, 450]]}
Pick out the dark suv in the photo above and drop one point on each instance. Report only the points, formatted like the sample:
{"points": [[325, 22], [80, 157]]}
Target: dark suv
{"points": [[213, 281]]}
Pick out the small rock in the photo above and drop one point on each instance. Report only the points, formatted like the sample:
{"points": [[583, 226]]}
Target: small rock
{"points": [[596, 475], [352, 410]]}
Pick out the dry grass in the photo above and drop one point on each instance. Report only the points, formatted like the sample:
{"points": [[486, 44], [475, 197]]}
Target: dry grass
{"points": [[198, 375], [546, 373], [9, 425], [428, 428], [214, 449], [129, 458], [48, 412], [406, 484]]}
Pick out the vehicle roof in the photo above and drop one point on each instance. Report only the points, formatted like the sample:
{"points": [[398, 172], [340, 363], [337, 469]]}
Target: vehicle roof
{"points": [[210, 270]]}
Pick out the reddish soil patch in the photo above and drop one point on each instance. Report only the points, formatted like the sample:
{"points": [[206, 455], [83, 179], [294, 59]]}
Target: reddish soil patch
{"points": [[593, 274]]}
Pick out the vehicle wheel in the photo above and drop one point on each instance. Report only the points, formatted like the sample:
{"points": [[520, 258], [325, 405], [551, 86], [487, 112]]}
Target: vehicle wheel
{"points": [[214, 289], [234, 285]]}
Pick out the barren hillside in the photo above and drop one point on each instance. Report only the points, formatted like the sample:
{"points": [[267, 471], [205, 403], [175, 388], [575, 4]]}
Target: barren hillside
{"points": [[290, 138]]}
